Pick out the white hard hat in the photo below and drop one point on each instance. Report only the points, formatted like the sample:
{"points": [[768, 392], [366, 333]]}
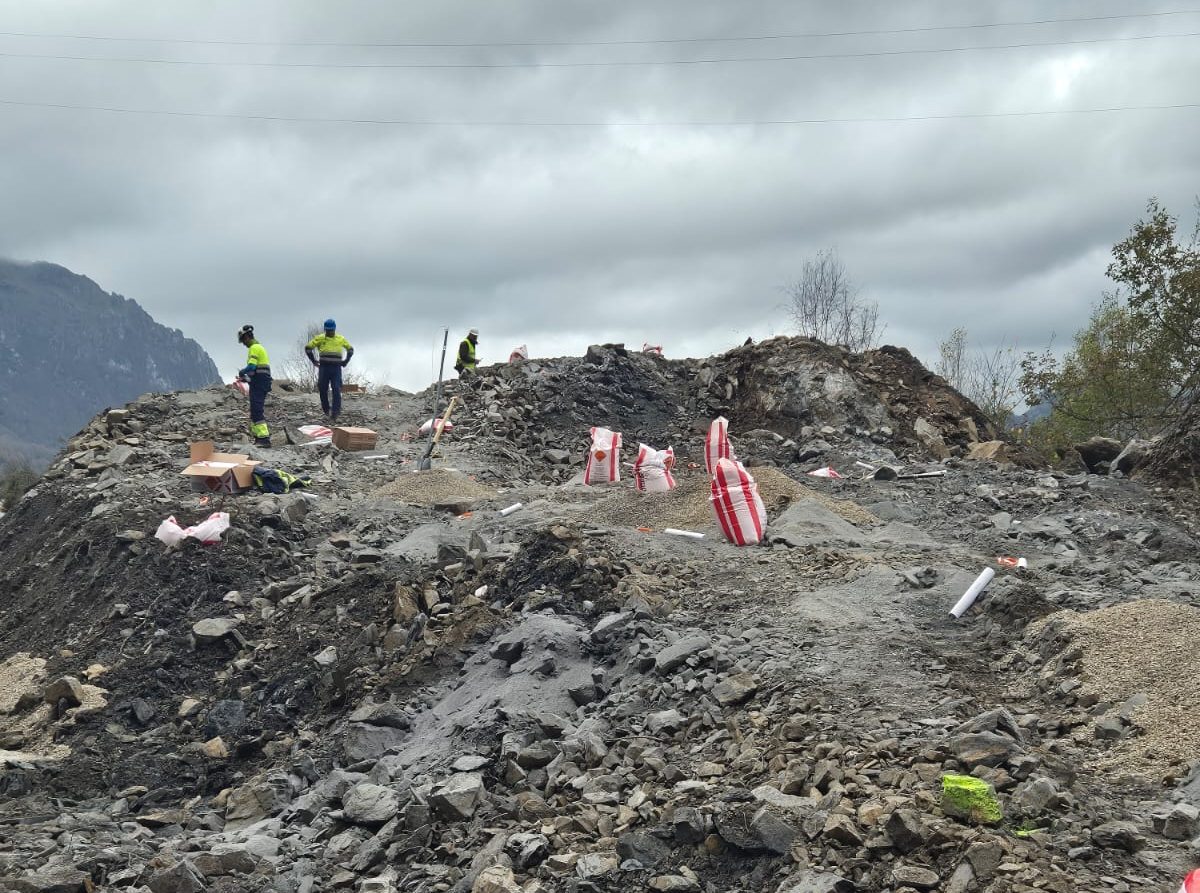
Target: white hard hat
{"points": [[473, 332]]}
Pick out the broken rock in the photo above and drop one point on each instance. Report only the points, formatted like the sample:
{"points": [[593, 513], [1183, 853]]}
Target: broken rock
{"points": [[213, 630], [645, 849], [816, 882], [457, 797], [370, 804], [64, 688], [496, 879], [54, 880], [735, 689], [675, 656]]}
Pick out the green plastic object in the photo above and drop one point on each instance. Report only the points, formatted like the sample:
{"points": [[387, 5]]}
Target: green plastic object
{"points": [[971, 799]]}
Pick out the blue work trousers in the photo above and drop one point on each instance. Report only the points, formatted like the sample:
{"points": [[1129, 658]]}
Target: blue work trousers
{"points": [[260, 386], [329, 378]]}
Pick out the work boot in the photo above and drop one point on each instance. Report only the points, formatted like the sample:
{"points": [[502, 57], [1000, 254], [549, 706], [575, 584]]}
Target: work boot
{"points": [[262, 441]]}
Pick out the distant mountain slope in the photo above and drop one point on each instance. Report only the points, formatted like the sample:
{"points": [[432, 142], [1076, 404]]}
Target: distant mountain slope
{"points": [[68, 349]]}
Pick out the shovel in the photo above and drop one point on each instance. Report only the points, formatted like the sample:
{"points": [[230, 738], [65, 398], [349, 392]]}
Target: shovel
{"points": [[439, 426]]}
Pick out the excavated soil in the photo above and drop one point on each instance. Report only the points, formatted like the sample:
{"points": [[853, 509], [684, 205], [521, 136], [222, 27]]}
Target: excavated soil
{"points": [[400, 698]]}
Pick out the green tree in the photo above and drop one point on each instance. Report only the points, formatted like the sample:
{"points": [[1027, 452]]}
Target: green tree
{"points": [[1132, 370], [1161, 275]]}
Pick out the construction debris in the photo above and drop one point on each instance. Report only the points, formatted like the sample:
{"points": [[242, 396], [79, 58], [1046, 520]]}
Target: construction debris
{"points": [[373, 688]]}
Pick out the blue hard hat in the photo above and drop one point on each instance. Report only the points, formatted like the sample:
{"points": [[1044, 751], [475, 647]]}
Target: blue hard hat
{"points": [[330, 324]]}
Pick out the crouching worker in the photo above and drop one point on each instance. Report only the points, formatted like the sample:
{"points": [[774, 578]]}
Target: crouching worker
{"points": [[257, 373]]}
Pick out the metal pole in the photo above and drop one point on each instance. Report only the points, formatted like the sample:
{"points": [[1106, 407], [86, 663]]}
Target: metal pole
{"points": [[437, 402]]}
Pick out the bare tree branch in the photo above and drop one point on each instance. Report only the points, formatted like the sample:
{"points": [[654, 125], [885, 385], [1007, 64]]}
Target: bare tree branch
{"points": [[824, 304]]}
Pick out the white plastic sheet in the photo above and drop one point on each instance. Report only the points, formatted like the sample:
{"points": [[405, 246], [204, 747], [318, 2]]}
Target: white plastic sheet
{"points": [[207, 531], [827, 472]]}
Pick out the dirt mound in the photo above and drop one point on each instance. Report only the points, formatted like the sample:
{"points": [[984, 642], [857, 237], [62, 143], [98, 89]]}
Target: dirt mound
{"points": [[797, 399]]}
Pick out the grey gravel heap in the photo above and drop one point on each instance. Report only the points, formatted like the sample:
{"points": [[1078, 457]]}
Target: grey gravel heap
{"points": [[363, 691]]}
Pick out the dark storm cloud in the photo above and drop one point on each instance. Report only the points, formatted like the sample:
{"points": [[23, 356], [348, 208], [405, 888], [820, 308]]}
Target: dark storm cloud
{"points": [[557, 236]]}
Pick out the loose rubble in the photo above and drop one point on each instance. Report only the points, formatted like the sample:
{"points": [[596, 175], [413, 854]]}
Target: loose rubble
{"points": [[381, 684]]}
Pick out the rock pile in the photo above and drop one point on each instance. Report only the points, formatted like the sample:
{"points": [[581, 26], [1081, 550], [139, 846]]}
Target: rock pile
{"points": [[790, 400], [366, 688]]}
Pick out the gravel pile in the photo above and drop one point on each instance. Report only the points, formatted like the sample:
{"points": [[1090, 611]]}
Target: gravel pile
{"points": [[689, 505], [1146, 647], [435, 486]]}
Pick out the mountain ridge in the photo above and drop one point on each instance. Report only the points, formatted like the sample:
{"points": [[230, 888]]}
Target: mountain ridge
{"points": [[68, 349]]}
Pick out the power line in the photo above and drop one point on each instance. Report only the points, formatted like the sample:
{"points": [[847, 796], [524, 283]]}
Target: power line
{"points": [[601, 43], [404, 122], [604, 64]]}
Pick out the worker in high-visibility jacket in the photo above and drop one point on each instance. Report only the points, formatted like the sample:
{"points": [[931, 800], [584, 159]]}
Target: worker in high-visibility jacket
{"points": [[465, 364], [257, 373], [325, 351]]}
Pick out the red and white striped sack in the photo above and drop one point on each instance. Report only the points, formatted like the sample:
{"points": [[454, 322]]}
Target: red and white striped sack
{"points": [[652, 470], [717, 445], [604, 458], [740, 510], [1191, 883], [443, 426]]}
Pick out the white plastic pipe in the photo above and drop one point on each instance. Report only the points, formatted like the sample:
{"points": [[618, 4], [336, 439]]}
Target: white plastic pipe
{"points": [[690, 534], [971, 594], [512, 508]]}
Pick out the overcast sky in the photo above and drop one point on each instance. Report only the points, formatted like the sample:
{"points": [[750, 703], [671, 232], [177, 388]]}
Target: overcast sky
{"points": [[550, 204]]}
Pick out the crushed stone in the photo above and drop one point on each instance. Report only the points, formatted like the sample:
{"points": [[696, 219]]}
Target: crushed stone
{"points": [[1145, 646], [689, 505], [22, 674], [434, 486], [19, 674]]}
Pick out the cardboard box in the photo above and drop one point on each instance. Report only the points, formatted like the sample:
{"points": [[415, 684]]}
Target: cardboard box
{"points": [[354, 438], [219, 472]]}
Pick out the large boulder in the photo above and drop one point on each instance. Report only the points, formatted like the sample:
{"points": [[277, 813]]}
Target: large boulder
{"points": [[1098, 450]]}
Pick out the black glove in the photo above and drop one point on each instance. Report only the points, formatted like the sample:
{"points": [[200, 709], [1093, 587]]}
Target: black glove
{"points": [[316, 365], [345, 363]]}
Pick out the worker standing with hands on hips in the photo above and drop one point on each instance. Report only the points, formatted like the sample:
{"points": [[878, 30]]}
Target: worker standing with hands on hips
{"points": [[325, 352], [465, 364], [257, 373]]}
